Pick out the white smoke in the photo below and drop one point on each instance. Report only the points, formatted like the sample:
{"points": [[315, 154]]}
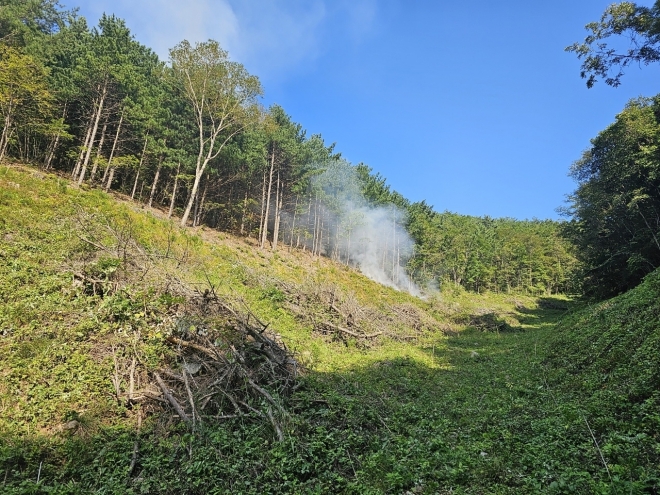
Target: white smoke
{"points": [[371, 238]]}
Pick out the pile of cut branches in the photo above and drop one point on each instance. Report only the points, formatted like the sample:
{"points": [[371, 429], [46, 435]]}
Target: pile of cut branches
{"points": [[331, 312], [225, 363], [228, 364]]}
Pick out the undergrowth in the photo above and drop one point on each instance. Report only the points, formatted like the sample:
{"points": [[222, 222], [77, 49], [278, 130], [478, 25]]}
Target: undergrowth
{"points": [[461, 393]]}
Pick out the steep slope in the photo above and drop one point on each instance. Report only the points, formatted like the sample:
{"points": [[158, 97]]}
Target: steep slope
{"points": [[606, 358]]}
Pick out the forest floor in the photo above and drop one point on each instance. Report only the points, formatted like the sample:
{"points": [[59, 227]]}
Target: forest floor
{"points": [[457, 393]]}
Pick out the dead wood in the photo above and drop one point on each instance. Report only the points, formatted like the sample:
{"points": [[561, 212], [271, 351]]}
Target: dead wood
{"points": [[350, 332], [209, 352], [170, 398]]}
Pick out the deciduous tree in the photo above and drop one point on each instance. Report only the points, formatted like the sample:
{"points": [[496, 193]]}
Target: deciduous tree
{"points": [[223, 97], [640, 24]]}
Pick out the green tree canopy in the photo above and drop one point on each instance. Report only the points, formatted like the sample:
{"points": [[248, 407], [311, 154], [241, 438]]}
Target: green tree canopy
{"points": [[641, 25], [616, 208]]}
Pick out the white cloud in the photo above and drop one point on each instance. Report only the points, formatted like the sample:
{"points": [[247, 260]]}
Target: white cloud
{"points": [[161, 24], [273, 38], [276, 36]]}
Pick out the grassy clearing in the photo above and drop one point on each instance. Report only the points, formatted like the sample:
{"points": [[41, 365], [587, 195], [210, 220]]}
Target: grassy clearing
{"points": [[463, 394]]}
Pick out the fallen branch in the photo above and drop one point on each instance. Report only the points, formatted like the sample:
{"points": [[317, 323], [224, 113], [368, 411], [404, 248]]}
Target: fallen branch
{"points": [[209, 352], [190, 395], [350, 332], [170, 398], [278, 430], [136, 448]]}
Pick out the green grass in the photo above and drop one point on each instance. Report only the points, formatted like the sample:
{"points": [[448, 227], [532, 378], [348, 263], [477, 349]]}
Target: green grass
{"points": [[494, 394]]}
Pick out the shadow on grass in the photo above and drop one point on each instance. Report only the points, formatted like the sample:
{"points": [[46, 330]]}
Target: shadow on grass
{"points": [[478, 420]]}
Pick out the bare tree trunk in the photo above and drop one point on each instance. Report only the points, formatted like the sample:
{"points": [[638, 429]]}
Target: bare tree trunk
{"points": [[315, 226], [191, 199], [176, 183], [4, 140], [153, 186], [244, 212], [6, 132], [137, 175], [293, 223], [92, 138], [98, 152], [278, 211], [76, 169], [112, 154], [263, 205], [197, 217], [264, 233], [54, 143], [110, 177], [51, 151]]}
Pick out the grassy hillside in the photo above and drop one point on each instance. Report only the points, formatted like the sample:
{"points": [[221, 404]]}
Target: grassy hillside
{"points": [[457, 393]]}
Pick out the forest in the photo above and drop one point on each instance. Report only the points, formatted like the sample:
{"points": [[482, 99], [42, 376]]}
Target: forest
{"points": [[196, 296], [190, 136]]}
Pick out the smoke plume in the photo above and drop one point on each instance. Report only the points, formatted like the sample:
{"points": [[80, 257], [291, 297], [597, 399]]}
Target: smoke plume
{"points": [[371, 238]]}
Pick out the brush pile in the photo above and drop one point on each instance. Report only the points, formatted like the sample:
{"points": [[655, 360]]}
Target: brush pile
{"points": [[333, 313], [227, 365], [224, 363]]}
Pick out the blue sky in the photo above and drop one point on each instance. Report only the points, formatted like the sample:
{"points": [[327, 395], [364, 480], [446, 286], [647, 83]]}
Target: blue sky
{"points": [[472, 106]]}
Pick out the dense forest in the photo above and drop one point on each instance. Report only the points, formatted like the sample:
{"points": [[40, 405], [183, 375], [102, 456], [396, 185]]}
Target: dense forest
{"points": [[189, 136]]}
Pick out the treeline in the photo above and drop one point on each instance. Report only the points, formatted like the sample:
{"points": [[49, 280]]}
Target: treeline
{"points": [[615, 211], [498, 255], [190, 137]]}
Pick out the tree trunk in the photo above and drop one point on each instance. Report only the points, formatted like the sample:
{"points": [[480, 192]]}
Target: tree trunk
{"points": [[153, 186], [200, 205], [4, 139], [54, 143], [278, 210], [76, 169], [176, 182], [191, 200], [264, 233], [98, 152], [263, 206], [293, 223], [200, 167], [137, 175], [92, 138], [245, 202], [112, 154], [110, 177], [315, 227]]}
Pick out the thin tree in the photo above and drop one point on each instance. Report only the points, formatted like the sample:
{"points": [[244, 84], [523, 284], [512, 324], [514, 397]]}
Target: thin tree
{"points": [[222, 96]]}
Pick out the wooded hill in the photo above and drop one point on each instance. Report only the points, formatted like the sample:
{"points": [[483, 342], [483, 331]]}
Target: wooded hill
{"points": [[190, 136], [140, 353]]}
